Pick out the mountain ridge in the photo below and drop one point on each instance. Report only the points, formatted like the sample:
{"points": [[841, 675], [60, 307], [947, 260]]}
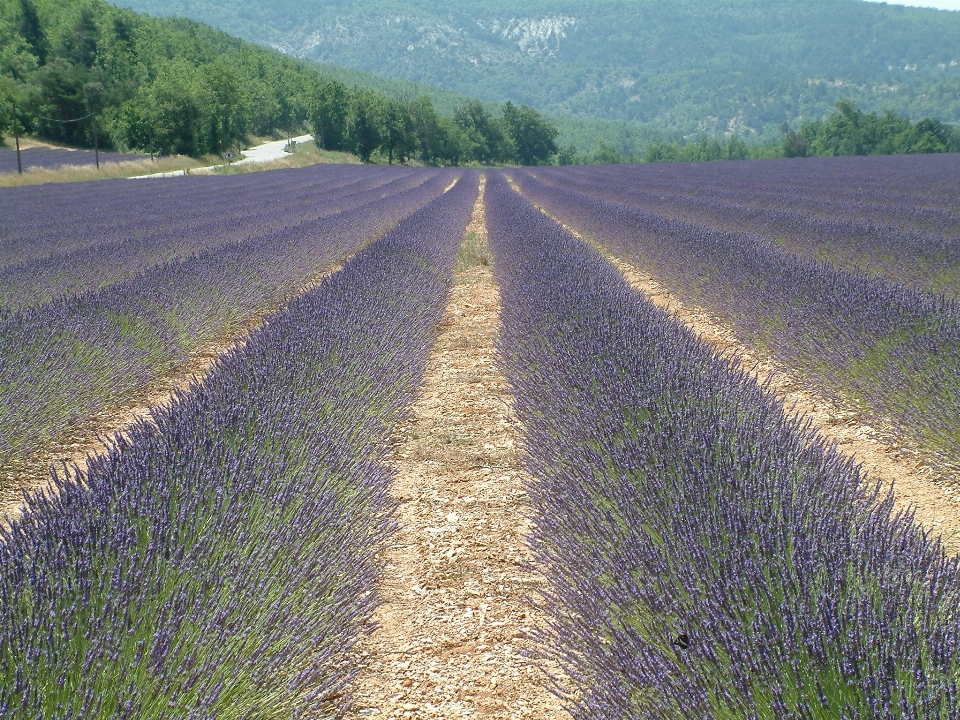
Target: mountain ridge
{"points": [[713, 66]]}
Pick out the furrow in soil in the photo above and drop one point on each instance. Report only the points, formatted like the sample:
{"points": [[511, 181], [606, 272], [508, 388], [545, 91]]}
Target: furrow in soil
{"points": [[455, 611], [74, 449]]}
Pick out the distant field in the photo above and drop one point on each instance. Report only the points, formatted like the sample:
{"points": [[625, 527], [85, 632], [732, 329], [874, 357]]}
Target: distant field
{"points": [[706, 553], [49, 158]]}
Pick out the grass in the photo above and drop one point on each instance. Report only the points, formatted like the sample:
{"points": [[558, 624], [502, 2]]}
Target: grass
{"points": [[474, 252], [304, 154], [108, 171]]}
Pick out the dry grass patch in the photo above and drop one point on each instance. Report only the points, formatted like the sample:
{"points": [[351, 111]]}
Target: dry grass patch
{"points": [[303, 155], [107, 171]]}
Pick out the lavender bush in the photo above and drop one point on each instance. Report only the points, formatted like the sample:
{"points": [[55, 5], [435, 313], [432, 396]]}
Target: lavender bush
{"points": [[92, 237], [221, 562], [706, 555], [65, 360], [898, 216], [892, 350]]}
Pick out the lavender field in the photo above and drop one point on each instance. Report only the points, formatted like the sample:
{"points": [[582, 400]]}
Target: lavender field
{"points": [[131, 294], [49, 158], [889, 342], [706, 553]]}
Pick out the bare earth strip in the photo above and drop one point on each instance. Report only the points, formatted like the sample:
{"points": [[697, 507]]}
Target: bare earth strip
{"points": [[933, 495], [930, 492], [455, 614], [74, 448], [935, 500]]}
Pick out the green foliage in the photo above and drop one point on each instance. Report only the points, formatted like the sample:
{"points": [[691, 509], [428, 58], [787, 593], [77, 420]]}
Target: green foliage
{"points": [[399, 135], [329, 108], [533, 137], [606, 155], [365, 123], [83, 69], [730, 148], [850, 131], [683, 68], [487, 140], [437, 138]]}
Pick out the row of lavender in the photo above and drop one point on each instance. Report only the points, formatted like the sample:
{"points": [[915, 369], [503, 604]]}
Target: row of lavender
{"points": [[706, 555], [221, 563], [46, 220], [894, 351], [91, 238], [64, 361], [898, 217], [905, 192]]}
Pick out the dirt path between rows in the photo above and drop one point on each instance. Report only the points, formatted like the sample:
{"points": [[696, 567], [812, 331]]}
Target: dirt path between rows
{"points": [[455, 615], [75, 447], [932, 494]]}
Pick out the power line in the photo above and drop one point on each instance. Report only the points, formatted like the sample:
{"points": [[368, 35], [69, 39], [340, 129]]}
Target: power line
{"points": [[66, 121]]}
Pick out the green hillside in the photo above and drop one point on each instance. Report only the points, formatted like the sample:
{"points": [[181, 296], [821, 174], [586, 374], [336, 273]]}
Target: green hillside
{"points": [[80, 71], [683, 65]]}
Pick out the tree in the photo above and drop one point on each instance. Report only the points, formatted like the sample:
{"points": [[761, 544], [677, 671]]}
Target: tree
{"points": [[794, 143], [426, 126], [16, 59], [606, 155], [843, 133], [8, 106], [61, 101], [485, 140], [80, 45], [329, 113], [227, 125], [932, 136], [852, 132], [532, 136], [32, 31], [398, 132], [568, 156], [173, 114], [365, 123]]}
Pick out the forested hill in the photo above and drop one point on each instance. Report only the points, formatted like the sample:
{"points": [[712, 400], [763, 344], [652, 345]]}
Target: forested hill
{"points": [[90, 73], [73, 68], [685, 65], [172, 84]]}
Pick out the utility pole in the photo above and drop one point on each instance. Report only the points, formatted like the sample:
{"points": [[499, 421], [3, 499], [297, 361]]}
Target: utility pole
{"points": [[96, 143], [16, 134]]}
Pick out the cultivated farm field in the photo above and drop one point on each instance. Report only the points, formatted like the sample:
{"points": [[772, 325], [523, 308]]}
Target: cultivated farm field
{"points": [[704, 549], [54, 157]]}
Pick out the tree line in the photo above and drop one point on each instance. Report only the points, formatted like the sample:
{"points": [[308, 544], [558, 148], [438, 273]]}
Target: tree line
{"points": [[83, 72], [80, 71], [363, 122], [848, 131]]}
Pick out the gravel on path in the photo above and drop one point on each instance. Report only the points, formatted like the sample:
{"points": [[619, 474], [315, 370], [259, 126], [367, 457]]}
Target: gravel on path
{"points": [[455, 611]]}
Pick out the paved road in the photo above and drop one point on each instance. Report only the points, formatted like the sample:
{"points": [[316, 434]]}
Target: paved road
{"points": [[269, 151], [260, 154]]}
